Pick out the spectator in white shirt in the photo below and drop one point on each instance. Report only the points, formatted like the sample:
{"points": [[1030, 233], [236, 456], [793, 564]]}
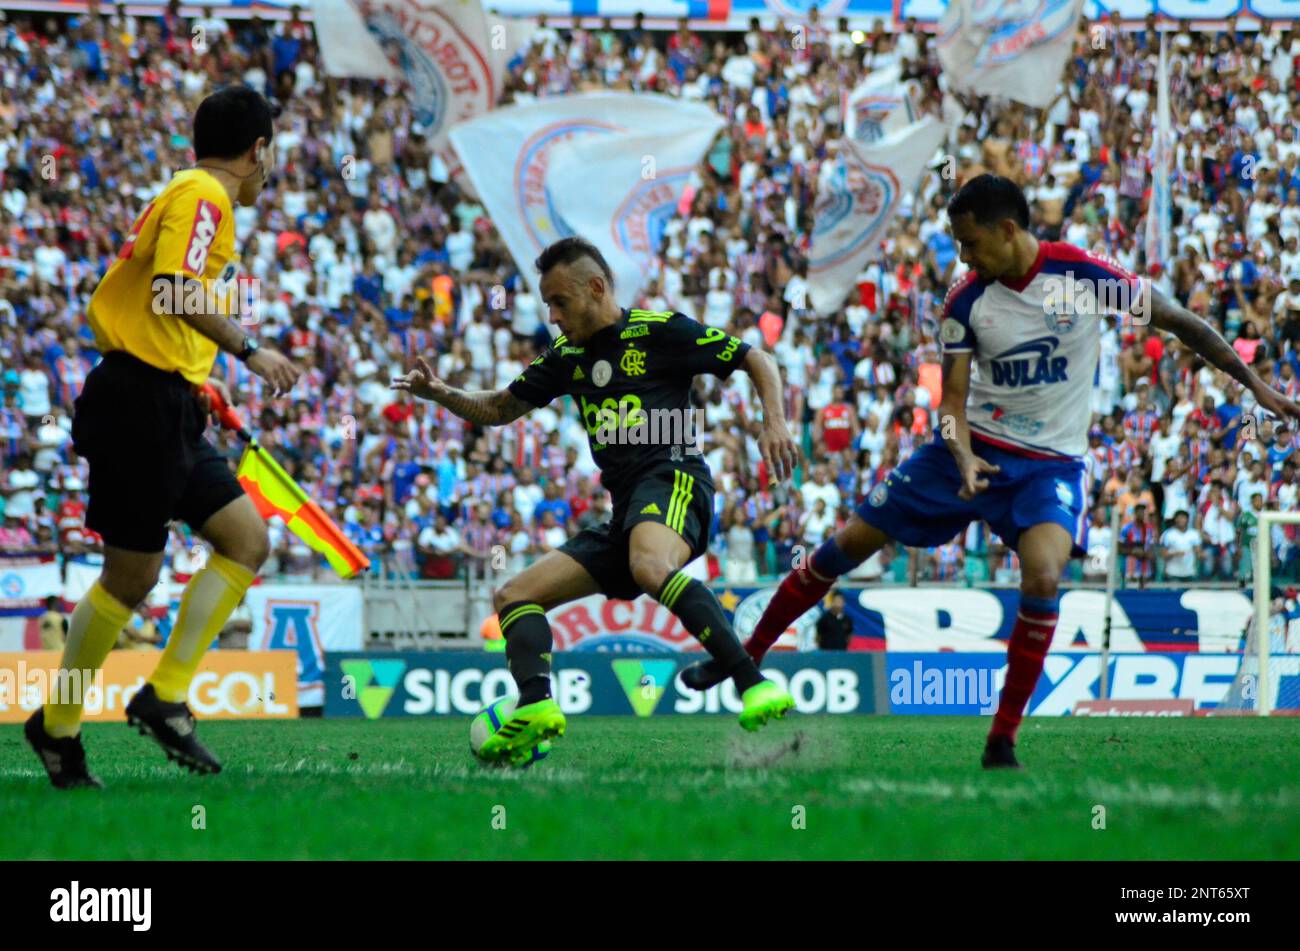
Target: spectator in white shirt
{"points": [[1180, 547], [460, 248]]}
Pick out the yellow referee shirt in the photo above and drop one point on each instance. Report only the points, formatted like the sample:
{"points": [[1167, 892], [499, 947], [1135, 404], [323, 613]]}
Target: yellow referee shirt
{"points": [[188, 229]]}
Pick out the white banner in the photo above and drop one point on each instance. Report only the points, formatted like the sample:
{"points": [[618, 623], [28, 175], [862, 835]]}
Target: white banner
{"points": [[441, 51], [858, 194], [882, 103], [620, 191], [27, 581], [80, 575], [508, 156], [1011, 48], [309, 619]]}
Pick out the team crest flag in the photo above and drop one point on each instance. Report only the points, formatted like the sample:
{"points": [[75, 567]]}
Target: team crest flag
{"points": [[441, 50], [510, 155], [857, 195], [620, 191], [1011, 48], [882, 103]]}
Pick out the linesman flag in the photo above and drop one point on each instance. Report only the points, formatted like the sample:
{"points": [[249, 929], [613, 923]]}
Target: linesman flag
{"points": [[275, 493]]}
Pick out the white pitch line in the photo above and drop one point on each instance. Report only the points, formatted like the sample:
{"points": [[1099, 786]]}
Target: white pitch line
{"points": [[871, 789], [1148, 795]]}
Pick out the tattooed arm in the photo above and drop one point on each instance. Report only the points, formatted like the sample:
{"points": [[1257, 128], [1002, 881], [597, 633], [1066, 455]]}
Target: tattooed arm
{"points": [[484, 407], [1204, 340]]}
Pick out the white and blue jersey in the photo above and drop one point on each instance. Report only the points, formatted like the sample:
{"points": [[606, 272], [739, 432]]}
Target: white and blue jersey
{"points": [[1034, 345]]}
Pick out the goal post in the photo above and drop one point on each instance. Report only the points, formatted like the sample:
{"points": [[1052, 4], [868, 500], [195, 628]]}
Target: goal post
{"points": [[1112, 574], [1263, 582]]}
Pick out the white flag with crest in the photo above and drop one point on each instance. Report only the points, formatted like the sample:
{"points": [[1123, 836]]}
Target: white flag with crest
{"points": [[510, 155], [619, 192], [1011, 48], [442, 52], [857, 195], [882, 103]]}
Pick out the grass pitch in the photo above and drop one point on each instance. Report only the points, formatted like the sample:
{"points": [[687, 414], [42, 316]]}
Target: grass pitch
{"points": [[675, 788]]}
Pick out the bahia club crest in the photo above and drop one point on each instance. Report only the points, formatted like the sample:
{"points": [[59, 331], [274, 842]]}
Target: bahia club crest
{"points": [[801, 635]]}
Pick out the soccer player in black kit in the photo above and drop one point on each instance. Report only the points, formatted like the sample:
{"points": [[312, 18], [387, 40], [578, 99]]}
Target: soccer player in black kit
{"points": [[631, 374]]}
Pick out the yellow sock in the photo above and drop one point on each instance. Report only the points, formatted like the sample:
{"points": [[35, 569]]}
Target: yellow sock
{"points": [[210, 597], [96, 622]]}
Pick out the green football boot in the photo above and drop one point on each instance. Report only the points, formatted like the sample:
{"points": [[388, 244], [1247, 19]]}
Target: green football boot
{"points": [[763, 701], [528, 727]]}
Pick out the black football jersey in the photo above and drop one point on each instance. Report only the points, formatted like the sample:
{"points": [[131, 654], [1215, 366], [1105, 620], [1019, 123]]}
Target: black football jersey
{"points": [[632, 385]]}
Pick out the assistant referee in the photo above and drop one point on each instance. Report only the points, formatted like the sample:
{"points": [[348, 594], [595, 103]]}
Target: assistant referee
{"points": [[159, 315]]}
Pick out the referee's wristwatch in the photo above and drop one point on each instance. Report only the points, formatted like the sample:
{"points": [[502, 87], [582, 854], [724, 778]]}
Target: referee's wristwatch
{"points": [[251, 346]]}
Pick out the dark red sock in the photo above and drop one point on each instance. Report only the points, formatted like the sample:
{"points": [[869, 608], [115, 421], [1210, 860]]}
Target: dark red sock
{"points": [[1030, 639], [798, 592]]}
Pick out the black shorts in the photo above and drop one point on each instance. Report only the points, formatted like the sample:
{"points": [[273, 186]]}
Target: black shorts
{"points": [[678, 498], [141, 430]]}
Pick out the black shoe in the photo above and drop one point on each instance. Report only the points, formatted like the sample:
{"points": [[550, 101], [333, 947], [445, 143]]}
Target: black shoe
{"points": [[64, 758], [704, 675], [1000, 753], [172, 727]]}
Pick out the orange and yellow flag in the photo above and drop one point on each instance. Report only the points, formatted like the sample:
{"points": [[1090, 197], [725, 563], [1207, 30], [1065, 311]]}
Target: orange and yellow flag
{"points": [[275, 493]]}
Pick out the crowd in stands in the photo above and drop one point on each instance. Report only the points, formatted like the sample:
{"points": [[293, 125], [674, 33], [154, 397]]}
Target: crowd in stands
{"points": [[365, 254]]}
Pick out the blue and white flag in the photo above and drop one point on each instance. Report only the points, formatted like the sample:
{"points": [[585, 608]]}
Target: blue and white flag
{"points": [[530, 186], [1010, 48], [620, 191], [882, 103], [857, 195], [441, 51]]}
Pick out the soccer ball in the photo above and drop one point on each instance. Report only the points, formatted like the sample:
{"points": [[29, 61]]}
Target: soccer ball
{"points": [[489, 720]]}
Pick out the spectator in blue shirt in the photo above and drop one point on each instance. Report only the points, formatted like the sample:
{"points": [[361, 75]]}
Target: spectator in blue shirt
{"points": [[1229, 418], [369, 285], [551, 502]]}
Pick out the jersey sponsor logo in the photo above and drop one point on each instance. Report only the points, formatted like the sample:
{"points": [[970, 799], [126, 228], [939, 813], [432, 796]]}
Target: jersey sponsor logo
{"points": [[601, 372], [611, 414], [202, 234], [572, 351], [638, 331], [633, 362], [1018, 423], [651, 509], [578, 374], [1030, 364]]}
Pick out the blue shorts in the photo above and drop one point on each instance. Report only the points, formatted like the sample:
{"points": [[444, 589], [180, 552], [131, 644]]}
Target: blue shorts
{"points": [[918, 503]]}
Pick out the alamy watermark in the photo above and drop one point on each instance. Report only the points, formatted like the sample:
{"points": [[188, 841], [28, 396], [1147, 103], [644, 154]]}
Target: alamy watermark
{"points": [[1069, 296], [28, 687], [623, 422], [236, 296]]}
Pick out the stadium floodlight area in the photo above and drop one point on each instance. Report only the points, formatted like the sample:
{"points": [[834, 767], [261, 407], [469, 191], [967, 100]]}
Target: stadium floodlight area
{"points": [[1269, 677]]}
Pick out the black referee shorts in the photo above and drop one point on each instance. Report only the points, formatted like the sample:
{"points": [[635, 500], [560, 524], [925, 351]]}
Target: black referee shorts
{"points": [[141, 430], [680, 498]]}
